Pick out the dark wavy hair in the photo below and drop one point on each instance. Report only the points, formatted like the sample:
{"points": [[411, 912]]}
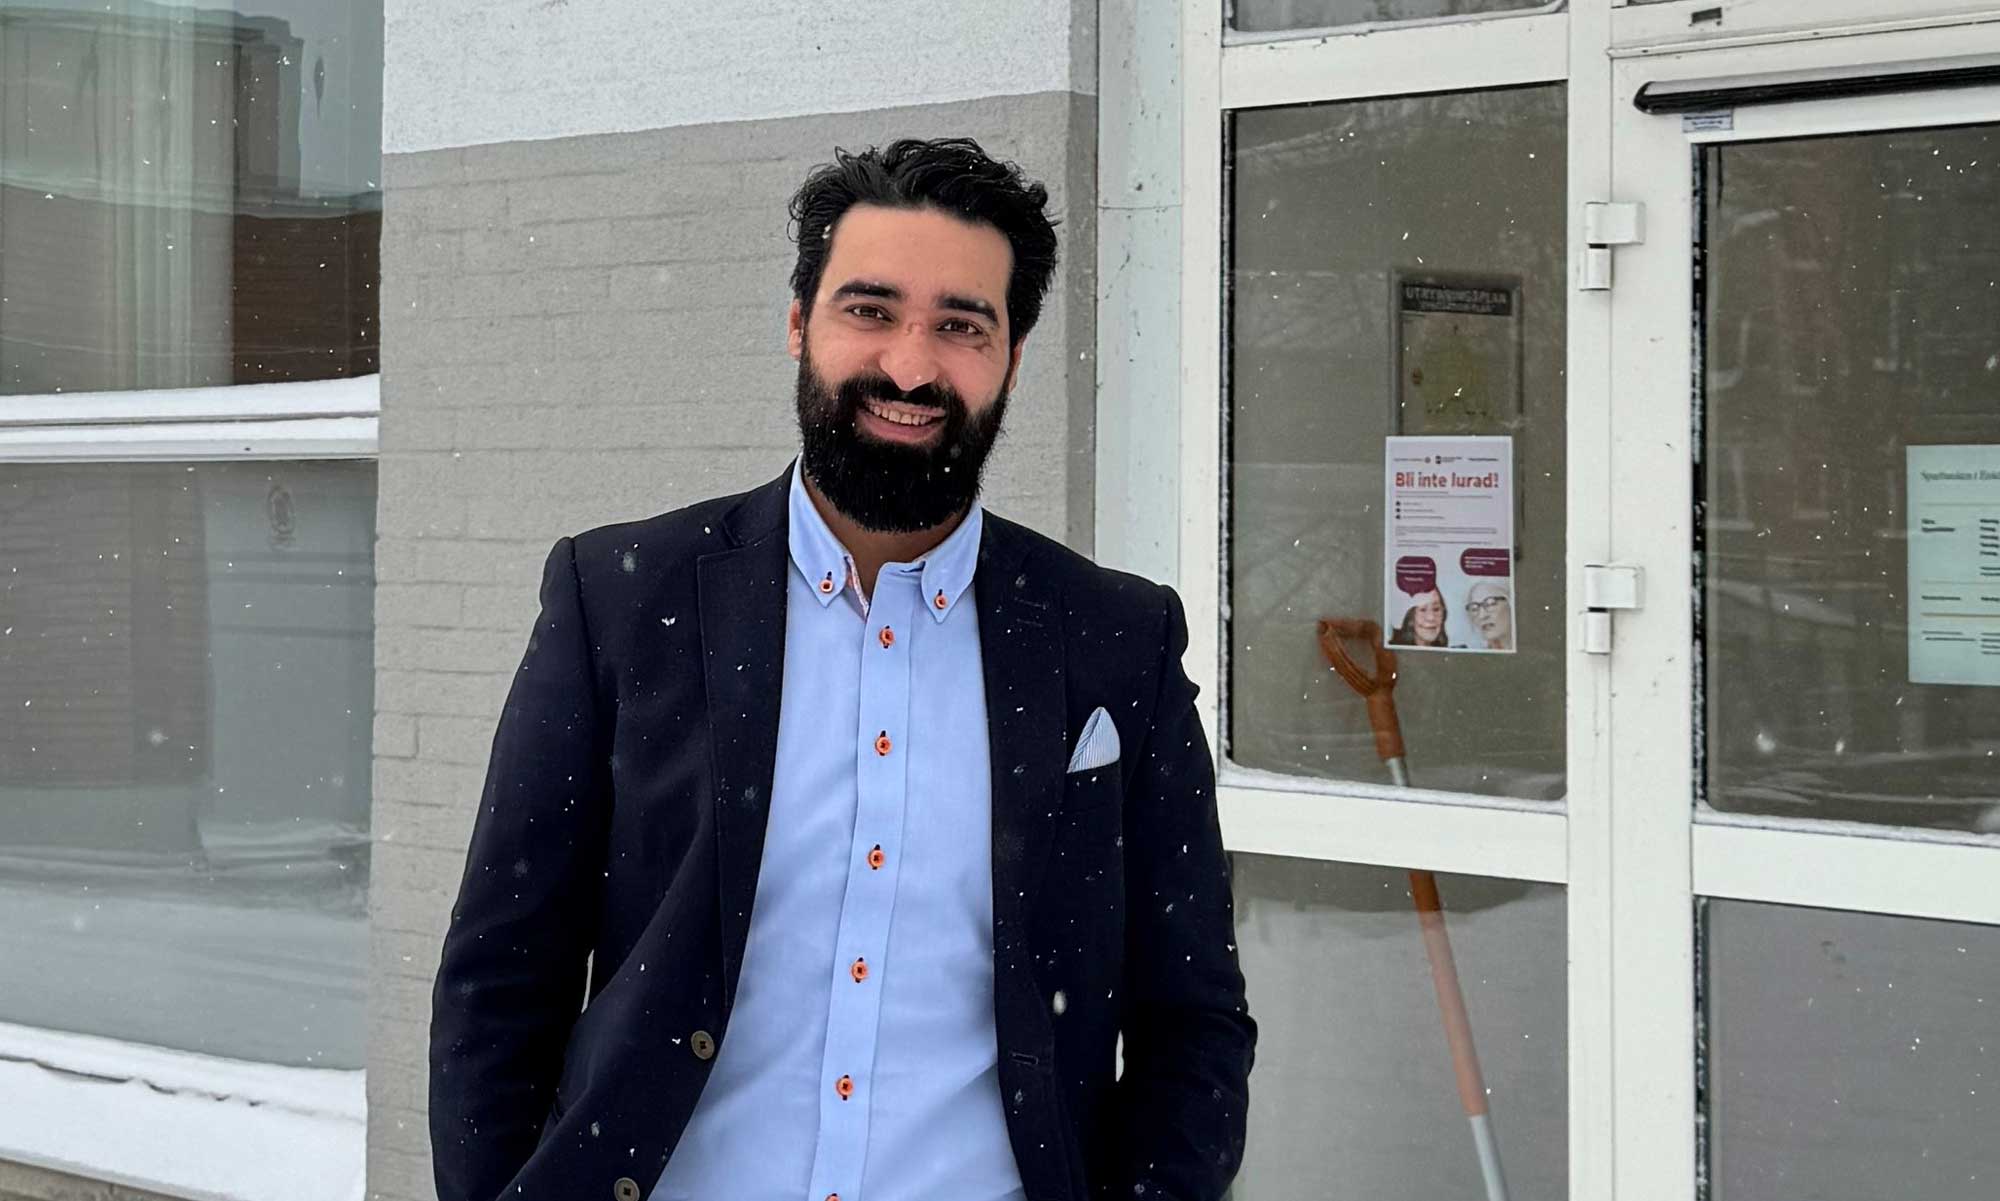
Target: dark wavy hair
{"points": [[950, 175]]}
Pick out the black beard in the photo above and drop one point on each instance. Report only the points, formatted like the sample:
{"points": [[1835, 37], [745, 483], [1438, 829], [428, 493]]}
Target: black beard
{"points": [[885, 487]]}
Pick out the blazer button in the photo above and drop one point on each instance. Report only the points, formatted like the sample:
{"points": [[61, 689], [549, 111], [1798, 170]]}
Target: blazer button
{"points": [[702, 1043], [626, 1189]]}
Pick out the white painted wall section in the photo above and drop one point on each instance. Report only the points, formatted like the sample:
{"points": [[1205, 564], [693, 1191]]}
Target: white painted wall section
{"points": [[472, 72], [1139, 288]]}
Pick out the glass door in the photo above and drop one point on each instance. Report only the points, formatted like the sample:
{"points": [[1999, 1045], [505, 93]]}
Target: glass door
{"points": [[1805, 716], [1377, 504]]}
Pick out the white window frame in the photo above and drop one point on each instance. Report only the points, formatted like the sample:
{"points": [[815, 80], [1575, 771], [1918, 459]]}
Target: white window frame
{"points": [[313, 419], [1632, 869], [217, 1107], [1356, 822]]}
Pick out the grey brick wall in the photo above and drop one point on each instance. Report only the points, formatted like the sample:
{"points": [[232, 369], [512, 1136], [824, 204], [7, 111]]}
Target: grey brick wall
{"points": [[592, 329], [19, 1182]]}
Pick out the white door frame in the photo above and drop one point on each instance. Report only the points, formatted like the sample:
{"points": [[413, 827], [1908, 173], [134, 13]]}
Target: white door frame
{"points": [[1664, 854]]}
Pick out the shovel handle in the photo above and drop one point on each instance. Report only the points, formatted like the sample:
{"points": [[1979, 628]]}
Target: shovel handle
{"points": [[1377, 687]]}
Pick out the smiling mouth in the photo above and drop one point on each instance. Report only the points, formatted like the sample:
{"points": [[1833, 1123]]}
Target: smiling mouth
{"points": [[901, 414]]}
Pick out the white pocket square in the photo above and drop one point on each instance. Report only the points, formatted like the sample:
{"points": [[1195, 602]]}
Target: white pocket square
{"points": [[1097, 746]]}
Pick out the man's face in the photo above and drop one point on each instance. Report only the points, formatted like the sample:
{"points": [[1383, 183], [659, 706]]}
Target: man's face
{"points": [[1429, 615], [904, 366], [1492, 615]]}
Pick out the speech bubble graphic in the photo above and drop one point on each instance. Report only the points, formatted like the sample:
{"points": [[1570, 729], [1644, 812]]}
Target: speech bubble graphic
{"points": [[1416, 574], [1484, 560]]}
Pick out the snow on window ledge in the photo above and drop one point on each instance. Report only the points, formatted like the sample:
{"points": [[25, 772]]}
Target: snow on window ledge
{"points": [[181, 1123], [353, 396], [314, 419]]}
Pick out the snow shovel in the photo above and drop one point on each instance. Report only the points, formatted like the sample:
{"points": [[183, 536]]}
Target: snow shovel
{"points": [[1379, 690]]}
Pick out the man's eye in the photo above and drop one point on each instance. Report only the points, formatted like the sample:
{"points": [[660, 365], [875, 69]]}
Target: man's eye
{"points": [[869, 311], [961, 327]]}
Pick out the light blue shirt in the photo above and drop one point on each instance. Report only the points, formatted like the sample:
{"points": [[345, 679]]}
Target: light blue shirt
{"points": [[860, 1059]]}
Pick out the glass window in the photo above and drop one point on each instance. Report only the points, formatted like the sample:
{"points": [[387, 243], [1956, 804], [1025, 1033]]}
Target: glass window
{"points": [[1851, 477], [189, 195], [1255, 16], [1850, 1055], [186, 666], [1357, 1091], [1396, 268], [1311, 15]]}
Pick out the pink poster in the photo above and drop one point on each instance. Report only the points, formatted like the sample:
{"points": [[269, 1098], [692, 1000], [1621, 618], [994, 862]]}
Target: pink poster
{"points": [[1448, 550]]}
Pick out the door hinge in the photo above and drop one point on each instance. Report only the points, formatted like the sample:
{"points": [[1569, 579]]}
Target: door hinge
{"points": [[1608, 587], [1606, 225]]}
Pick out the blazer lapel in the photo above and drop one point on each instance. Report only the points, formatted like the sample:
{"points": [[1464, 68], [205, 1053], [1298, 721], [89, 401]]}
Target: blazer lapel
{"points": [[742, 593], [1020, 637]]}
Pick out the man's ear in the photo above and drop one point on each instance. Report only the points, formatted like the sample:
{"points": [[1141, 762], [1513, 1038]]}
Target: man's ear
{"points": [[795, 329], [1014, 365]]}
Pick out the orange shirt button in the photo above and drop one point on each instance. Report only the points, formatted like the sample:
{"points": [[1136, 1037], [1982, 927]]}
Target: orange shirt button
{"points": [[859, 971], [876, 858], [882, 743], [844, 1086], [940, 602], [826, 585], [888, 637]]}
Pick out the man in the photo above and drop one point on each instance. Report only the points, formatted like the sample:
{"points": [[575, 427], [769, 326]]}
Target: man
{"points": [[781, 799], [1492, 615]]}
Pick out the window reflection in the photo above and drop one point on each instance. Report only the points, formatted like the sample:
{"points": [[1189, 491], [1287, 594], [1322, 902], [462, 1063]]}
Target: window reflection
{"points": [[1338, 212], [186, 666], [1850, 319], [1850, 1055], [1262, 15], [188, 195], [1355, 1092]]}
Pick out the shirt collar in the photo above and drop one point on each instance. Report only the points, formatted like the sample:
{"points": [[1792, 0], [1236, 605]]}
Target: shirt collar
{"points": [[946, 569]]}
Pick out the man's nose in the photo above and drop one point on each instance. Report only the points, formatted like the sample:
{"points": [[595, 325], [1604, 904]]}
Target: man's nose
{"points": [[909, 360]]}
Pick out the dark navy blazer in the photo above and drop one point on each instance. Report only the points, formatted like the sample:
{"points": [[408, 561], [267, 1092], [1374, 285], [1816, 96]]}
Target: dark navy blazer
{"points": [[622, 823]]}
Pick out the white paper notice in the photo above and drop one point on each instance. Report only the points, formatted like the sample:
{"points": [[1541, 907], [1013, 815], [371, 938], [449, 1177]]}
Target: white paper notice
{"points": [[1448, 561], [1954, 508]]}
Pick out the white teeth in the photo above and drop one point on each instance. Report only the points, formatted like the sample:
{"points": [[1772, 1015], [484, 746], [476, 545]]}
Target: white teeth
{"points": [[898, 418]]}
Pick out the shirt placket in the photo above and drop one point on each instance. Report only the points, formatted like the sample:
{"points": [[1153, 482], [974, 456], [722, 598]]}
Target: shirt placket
{"points": [[874, 863]]}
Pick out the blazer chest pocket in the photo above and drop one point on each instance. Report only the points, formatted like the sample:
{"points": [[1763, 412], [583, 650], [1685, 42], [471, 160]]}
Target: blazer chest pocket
{"points": [[1091, 789]]}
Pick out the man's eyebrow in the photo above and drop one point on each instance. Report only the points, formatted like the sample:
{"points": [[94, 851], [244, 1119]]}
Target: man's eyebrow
{"points": [[861, 287], [969, 304], [880, 291]]}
